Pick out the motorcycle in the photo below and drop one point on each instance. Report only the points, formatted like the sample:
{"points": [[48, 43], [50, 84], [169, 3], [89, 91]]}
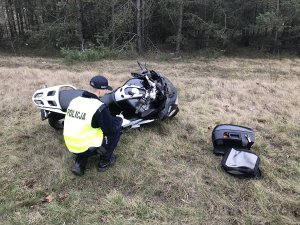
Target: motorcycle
{"points": [[146, 97]]}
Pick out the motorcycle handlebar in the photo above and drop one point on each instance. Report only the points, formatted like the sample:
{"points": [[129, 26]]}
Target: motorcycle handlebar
{"points": [[140, 65], [144, 74], [143, 68]]}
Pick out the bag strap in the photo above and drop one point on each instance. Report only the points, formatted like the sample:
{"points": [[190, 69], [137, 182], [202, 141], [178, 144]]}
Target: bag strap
{"points": [[246, 141]]}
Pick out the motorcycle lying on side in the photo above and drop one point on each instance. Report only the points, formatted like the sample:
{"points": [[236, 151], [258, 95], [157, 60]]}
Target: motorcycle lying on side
{"points": [[146, 97]]}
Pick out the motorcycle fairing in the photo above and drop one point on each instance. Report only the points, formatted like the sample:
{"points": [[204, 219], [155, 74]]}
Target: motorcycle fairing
{"points": [[171, 102]]}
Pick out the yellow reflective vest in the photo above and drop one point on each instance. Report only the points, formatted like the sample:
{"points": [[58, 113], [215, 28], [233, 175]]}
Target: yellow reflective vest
{"points": [[79, 134]]}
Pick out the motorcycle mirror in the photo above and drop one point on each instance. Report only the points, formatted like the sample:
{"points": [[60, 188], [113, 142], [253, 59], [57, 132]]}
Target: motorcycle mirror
{"points": [[140, 65]]}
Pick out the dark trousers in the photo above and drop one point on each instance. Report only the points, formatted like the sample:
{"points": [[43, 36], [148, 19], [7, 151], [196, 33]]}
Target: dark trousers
{"points": [[109, 143]]}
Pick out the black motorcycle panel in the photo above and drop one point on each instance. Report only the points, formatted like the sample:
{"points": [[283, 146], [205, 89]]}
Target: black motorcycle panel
{"points": [[171, 94]]}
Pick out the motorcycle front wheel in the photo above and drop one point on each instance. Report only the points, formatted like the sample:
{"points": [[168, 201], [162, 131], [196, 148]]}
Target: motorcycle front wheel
{"points": [[56, 120]]}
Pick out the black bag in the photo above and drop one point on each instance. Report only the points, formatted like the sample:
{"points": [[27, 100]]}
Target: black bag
{"points": [[226, 136], [241, 163]]}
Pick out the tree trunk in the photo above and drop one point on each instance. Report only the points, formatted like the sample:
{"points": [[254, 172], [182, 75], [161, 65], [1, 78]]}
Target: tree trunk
{"points": [[275, 46], [79, 24], [30, 14], [113, 26], [179, 30], [42, 13], [207, 40], [139, 27], [143, 21], [205, 11], [10, 17], [18, 6], [225, 20]]}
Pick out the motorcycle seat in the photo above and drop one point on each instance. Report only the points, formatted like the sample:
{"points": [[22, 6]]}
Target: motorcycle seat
{"points": [[66, 96]]}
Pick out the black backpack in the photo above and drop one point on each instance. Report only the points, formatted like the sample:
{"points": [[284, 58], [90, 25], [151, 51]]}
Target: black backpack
{"points": [[241, 163]]}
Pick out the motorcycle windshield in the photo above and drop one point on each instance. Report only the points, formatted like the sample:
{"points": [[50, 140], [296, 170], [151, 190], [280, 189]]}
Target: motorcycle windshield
{"points": [[136, 82]]}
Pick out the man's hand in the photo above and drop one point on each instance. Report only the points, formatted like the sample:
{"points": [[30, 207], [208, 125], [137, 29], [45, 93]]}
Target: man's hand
{"points": [[125, 121], [121, 115]]}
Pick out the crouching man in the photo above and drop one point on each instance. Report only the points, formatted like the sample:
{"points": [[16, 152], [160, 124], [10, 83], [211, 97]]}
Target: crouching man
{"points": [[89, 128]]}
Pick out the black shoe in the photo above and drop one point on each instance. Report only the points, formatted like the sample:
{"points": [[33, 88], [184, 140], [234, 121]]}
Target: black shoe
{"points": [[78, 169], [104, 163]]}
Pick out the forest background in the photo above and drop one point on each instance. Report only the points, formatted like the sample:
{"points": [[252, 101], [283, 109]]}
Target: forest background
{"points": [[94, 29]]}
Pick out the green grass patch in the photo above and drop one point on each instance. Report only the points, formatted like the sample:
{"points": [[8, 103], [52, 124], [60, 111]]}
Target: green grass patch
{"points": [[71, 55], [166, 172]]}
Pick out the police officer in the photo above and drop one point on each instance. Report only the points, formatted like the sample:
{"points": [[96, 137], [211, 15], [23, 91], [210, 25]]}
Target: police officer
{"points": [[89, 127]]}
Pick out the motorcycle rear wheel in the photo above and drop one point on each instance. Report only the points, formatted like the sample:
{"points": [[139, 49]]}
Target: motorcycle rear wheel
{"points": [[56, 121]]}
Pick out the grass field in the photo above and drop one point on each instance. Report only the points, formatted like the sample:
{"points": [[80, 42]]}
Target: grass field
{"points": [[165, 173]]}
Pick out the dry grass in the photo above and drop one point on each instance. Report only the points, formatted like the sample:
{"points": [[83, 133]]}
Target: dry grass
{"points": [[166, 173]]}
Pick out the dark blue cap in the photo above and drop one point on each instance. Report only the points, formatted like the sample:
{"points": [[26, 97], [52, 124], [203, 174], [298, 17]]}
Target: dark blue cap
{"points": [[100, 82]]}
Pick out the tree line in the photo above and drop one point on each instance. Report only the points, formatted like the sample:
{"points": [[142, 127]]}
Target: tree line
{"points": [[150, 25]]}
